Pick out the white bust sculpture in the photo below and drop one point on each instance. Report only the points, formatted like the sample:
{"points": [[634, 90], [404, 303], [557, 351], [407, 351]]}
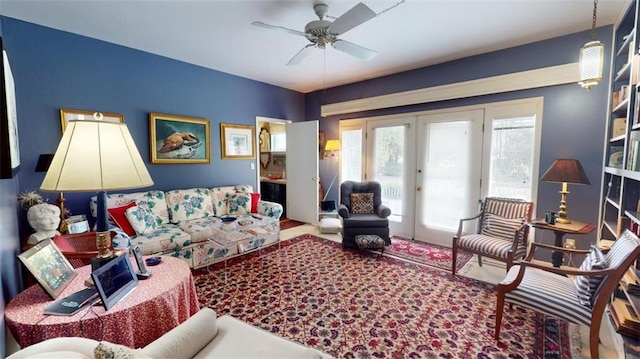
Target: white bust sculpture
{"points": [[44, 219]]}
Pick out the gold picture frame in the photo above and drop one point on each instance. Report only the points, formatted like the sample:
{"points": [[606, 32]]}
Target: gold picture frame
{"points": [[49, 267], [179, 139], [67, 115], [237, 141]]}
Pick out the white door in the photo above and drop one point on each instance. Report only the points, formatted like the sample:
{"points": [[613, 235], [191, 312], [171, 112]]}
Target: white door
{"points": [[448, 172], [392, 145], [302, 171]]}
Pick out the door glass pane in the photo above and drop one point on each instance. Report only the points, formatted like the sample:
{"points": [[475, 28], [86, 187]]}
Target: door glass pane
{"points": [[351, 156], [446, 189], [511, 166], [389, 167]]}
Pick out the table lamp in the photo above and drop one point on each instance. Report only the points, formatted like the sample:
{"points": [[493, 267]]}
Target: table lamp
{"points": [[97, 156], [44, 161], [565, 171]]}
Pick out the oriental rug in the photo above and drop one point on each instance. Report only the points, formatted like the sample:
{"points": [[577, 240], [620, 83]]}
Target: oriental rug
{"points": [[425, 253], [311, 291], [286, 223]]}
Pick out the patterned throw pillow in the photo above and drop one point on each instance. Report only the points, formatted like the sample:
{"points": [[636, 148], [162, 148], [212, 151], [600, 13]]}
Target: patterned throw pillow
{"points": [[500, 227], [142, 220], [186, 204], [362, 203], [117, 216], [238, 203], [106, 350], [587, 285]]}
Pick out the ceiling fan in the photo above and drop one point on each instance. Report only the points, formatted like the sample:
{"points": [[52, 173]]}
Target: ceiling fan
{"points": [[322, 32]]}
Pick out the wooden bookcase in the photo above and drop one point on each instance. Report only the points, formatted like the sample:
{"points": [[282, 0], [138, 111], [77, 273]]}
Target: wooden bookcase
{"points": [[620, 204]]}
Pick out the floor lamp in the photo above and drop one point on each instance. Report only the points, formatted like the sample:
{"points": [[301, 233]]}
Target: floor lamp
{"points": [[331, 148], [97, 156]]}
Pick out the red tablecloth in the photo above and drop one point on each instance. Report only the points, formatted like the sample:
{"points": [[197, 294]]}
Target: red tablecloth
{"points": [[154, 307]]}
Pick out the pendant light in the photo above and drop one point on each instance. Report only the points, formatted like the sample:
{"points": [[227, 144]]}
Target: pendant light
{"points": [[591, 57]]}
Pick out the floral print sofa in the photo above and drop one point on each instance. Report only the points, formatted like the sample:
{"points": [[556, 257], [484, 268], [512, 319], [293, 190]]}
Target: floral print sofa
{"points": [[186, 223]]}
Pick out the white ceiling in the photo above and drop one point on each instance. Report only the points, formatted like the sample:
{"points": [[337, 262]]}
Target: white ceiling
{"points": [[218, 34]]}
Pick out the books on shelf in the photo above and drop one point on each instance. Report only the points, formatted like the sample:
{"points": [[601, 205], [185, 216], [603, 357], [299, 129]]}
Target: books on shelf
{"points": [[619, 127], [633, 163], [625, 320]]}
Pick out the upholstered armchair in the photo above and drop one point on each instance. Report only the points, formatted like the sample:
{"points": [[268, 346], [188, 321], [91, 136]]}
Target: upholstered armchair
{"points": [[578, 296], [501, 233], [362, 212]]}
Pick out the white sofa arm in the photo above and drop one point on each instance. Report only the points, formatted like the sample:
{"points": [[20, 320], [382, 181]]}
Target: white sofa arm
{"points": [[68, 347], [270, 209], [187, 339]]}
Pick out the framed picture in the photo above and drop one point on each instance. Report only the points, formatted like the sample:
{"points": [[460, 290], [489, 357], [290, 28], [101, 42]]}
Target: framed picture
{"points": [[48, 266], [238, 141], [67, 115], [321, 143], [178, 139], [9, 146]]}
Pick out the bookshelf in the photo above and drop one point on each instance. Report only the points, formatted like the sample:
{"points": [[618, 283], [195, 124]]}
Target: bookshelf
{"points": [[620, 204]]}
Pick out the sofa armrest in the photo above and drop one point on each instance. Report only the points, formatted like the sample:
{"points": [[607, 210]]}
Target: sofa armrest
{"points": [[383, 211], [343, 211], [270, 209], [187, 339], [58, 346]]}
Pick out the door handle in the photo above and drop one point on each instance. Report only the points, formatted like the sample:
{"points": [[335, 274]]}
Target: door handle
{"points": [[315, 178], [419, 188]]}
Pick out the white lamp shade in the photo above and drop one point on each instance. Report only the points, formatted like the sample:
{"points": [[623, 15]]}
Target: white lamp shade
{"points": [[96, 156], [591, 62]]}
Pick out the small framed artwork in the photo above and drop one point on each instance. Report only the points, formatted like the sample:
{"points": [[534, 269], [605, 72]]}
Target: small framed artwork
{"points": [[179, 139], [238, 141], [48, 266], [9, 146], [67, 115]]}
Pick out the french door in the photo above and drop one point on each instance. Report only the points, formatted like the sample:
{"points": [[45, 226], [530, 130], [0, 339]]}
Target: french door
{"points": [[448, 171], [435, 167]]}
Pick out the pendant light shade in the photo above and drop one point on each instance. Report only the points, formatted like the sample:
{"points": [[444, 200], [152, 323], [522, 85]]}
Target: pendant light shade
{"points": [[591, 57], [591, 62]]}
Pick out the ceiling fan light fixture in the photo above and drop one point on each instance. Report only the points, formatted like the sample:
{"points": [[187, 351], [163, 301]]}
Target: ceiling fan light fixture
{"points": [[591, 57]]}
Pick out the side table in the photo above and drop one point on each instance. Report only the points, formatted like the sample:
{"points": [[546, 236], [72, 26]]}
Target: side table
{"points": [[560, 230], [155, 306]]}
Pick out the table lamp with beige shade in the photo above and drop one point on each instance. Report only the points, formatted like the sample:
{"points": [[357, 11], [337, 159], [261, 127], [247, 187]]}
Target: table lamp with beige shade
{"points": [[97, 156], [565, 171]]}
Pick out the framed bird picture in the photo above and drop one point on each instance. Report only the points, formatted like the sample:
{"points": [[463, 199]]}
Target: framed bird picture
{"points": [[179, 139], [238, 141]]}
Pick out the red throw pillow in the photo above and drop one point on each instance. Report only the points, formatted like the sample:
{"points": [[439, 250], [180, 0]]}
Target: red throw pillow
{"points": [[63, 244], [117, 215], [255, 197]]}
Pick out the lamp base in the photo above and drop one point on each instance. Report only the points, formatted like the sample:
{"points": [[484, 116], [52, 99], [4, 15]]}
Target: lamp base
{"points": [[562, 221]]}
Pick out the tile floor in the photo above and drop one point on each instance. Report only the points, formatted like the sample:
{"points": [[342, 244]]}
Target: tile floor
{"points": [[494, 272]]}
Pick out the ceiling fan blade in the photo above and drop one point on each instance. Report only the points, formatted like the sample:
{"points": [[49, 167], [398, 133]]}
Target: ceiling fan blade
{"points": [[357, 15], [281, 28], [301, 55], [354, 50]]}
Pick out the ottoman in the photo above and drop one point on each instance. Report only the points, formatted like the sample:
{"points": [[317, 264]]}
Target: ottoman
{"points": [[370, 241], [330, 225]]}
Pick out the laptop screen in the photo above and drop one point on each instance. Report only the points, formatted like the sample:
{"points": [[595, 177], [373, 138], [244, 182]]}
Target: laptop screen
{"points": [[114, 280]]}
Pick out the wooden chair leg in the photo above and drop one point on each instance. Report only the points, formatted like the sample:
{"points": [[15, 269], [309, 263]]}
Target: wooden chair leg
{"points": [[454, 257], [594, 337], [479, 260], [499, 312]]}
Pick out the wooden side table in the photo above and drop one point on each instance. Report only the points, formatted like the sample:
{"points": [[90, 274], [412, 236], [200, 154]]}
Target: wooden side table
{"points": [[575, 227]]}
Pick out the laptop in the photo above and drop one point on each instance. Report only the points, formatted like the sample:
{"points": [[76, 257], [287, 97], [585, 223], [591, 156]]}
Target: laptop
{"points": [[114, 280], [72, 303]]}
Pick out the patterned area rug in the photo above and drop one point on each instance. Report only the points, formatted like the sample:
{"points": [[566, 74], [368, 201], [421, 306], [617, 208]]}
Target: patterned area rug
{"points": [[424, 253], [352, 304], [286, 223]]}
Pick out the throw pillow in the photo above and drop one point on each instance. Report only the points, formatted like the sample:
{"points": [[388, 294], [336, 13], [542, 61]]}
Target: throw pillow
{"points": [[500, 227], [106, 350], [362, 203], [142, 220], [186, 204], [586, 286], [118, 217], [238, 203], [255, 197]]}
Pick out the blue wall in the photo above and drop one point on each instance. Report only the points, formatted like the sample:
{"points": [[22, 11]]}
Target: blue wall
{"points": [[573, 119], [55, 69]]}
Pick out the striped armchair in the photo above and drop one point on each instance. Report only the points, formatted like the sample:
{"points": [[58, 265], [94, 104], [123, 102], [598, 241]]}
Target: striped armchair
{"points": [[502, 231], [549, 290]]}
